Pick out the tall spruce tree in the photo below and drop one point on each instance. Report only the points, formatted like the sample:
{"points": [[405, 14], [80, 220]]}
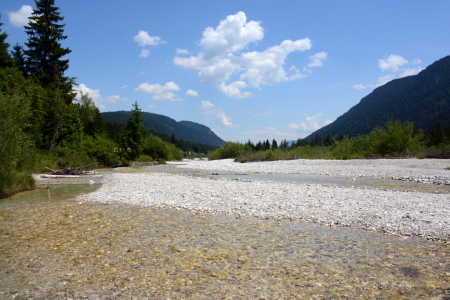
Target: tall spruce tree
{"points": [[44, 61], [45, 51], [134, 134], [5, 59]]}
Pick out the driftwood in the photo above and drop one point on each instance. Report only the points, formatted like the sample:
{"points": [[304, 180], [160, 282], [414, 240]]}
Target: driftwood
{"points": [[72, 171]]}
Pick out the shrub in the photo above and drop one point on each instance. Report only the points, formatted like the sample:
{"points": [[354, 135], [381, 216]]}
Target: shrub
{"points": [[396, 137], [229, 150]]}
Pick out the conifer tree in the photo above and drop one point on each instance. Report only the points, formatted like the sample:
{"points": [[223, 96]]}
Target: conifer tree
{"points": [[134, 134], [45, 52], [5, 59], [44, 62]]}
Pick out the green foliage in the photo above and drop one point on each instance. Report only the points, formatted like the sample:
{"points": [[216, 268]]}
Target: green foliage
{"points": [[5, 59], [45, 52], [145, 158], [162, 151], [17, 155], [396, 137], [102, 150], [134, 134], [229, 150]]}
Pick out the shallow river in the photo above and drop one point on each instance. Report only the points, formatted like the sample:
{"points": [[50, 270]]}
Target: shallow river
{"points": [[52, 247]]}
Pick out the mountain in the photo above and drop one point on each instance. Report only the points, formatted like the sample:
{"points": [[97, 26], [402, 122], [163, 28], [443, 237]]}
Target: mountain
{"points": [[423, 99], [186, 130]]}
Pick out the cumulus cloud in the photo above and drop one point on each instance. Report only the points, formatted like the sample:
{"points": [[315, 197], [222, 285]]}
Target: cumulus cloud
{"points": [[411, 71], [160, 92], [392, 64], [310, 124], [233, 90], [95, 95], [20, 18], [317, 59], [191, 93], [223, 55], [210, 109], [144, 39]]}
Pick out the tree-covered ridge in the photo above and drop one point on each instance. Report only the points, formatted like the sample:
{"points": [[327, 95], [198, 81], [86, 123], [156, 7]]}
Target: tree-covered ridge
{"points": [[423, 99], [183, 130]]}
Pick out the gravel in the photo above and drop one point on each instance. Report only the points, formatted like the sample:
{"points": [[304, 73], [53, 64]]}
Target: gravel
{"points": [[392, 212]]}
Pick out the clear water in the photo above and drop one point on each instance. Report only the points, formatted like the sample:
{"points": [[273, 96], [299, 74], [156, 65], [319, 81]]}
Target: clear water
{"points": [[52, 247]]}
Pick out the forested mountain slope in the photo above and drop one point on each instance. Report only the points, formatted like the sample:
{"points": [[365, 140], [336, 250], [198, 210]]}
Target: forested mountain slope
{"points": [[186, 130], [423, 99]]}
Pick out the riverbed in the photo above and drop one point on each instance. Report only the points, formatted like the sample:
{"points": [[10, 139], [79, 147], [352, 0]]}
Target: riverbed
{"points": [[55, 247]]}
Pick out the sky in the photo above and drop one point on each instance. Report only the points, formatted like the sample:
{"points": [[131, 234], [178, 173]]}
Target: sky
{"points": [[247, 69]]}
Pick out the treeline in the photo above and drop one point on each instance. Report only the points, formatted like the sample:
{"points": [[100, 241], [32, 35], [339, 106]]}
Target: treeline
{"points": [[115, 129], [394, 139], [43, 124]]}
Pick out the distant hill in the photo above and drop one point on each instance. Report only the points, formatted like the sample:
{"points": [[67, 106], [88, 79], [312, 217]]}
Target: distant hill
{"points": [[186, 130], [423, 99]]}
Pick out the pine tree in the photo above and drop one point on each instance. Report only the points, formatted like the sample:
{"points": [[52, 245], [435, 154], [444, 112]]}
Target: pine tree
{"points": [[44, 62], [18, 56], [134, 134], [5, 59], [45, 52]]}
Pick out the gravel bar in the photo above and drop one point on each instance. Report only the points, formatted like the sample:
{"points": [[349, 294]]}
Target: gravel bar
{"points": [[417, 170], [393, 212]]}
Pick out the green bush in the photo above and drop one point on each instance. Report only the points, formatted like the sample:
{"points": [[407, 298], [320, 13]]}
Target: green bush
{"points": [[396, 137], [162, 151], [101, 149], [17, 153], [229, 150]]}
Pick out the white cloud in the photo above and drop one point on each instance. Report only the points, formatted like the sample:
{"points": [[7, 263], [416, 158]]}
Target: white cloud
{"points": [[385, 79], [124, 86], [182, 51], [225, 120], [309, 125], [192, 93], [143, 39], [411, 71], [210, 109], [160, 92], [317, 59], [112, 99], [144, 53], [392, 63], [20, 18], [231, 35], [95, 95], [223, 56], [233, 90], [151, 106]]}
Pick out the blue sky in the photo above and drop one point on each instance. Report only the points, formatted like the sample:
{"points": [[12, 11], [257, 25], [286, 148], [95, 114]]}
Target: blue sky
{"points": [[247, 69]]}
